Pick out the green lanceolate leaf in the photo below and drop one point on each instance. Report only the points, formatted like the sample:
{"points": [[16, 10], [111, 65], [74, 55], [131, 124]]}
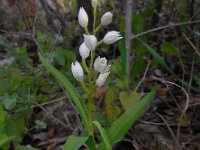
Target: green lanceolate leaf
{"points": [[91, 143], [2, 115], [74, 143], [6, 140], [119, 128], [128, 99], [123, 124], [112, 112], [103, 135], [74, 95], [157, 57], [170, 49], [25, 148]]}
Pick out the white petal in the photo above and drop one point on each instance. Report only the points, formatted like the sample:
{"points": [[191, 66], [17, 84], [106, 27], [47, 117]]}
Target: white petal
{"points": [[102, 78], [105, 69], [90, 41], [100, 64], [106, 18], [84, 51], [96, 64], [112, 37], [77, 71]]}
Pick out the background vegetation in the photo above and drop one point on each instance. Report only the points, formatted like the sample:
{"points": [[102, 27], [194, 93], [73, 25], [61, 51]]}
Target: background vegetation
{"points": [[160, 47]]}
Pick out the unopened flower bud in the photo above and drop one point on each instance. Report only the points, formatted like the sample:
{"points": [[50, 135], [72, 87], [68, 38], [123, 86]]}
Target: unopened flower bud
{"points": [[84, 51], [102, 78], [112, 37], [90, 41], [94, 3], [77, 71], [83, 17], [106, 18]]}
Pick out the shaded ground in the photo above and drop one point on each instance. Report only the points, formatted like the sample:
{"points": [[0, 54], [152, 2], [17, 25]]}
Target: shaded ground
{"points": [[171, 122]]}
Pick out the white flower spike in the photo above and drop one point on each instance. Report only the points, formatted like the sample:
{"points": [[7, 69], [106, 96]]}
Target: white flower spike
{"points": [[82, 17], [112, 37], [100, 65], [90, 41], [102, 78], [84, 51], [106, 18], [77, 71], [94, 3]]}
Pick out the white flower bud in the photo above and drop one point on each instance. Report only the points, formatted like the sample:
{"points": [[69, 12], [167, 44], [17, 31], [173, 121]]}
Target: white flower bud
{"points": [[77, 71], [106, 18], [112, 37], [94, 3], [90, 41], [82, 17], [100, 65], [102, 78], [84, 51]]}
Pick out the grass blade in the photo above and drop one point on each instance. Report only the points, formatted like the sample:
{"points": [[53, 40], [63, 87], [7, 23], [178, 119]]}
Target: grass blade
{"points": [[157, 57], [74, 143], [164, 64]]}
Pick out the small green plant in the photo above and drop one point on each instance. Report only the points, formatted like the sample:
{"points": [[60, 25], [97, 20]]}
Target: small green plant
{"points": [[97, 71]]}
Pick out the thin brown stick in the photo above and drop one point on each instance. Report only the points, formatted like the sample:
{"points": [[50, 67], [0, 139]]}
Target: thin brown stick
{"points": [[170, 130], [187, 96], [44, 104], [35, 18], [145, 73], [164, 27], [59, 121], [129, 13], [191, 73], [183, 111], [22, 14], [15, 33], [192, 45]]}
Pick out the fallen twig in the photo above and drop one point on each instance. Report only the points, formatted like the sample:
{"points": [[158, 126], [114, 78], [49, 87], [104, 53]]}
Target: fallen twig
{"points": [[164, 27]]}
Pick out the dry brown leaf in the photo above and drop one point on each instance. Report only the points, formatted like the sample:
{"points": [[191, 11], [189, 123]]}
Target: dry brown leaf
{"points": [[51, 133], [52, 146], [100, 93], [61, 3], [32, 8], [162, 91]]}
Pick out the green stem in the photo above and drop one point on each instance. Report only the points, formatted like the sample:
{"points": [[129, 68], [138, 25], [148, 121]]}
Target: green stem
{"points": [[91, 143], [99, 43], [91, 90], [85, 65], [95, 17], [98, 28], [96, 76], [91, 131], [86, 31], [91, 64], [84, 87]]}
